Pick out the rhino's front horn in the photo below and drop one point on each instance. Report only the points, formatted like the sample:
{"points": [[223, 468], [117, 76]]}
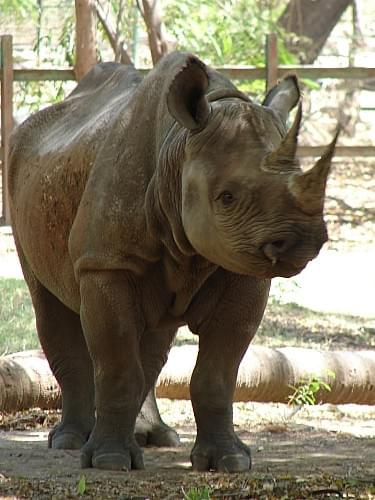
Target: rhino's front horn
{"points": [[308, 188], [284, 157]]}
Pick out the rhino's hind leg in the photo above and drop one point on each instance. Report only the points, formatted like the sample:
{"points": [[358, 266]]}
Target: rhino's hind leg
{"points": [[72, 367], [60, 334], [150, 428]]}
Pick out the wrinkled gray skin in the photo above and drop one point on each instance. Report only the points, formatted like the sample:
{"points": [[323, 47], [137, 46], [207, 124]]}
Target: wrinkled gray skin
{"points": [[142, 205]]}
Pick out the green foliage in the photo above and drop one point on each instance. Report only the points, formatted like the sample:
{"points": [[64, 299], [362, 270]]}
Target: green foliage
{"points": [[228, 32], [81, 485], [17, 321], [224, 32], [305, 393], [197, 493], [66, 45], [32, 96], [19, 9]]}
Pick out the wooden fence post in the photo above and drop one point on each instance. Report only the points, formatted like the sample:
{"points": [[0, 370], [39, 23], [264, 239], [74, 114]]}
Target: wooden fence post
{"points": [[6, 116], [272, 61]]}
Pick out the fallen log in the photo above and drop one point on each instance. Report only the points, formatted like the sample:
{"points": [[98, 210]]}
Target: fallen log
{"points": [[26, 381], [265, 375], [269, 375]]}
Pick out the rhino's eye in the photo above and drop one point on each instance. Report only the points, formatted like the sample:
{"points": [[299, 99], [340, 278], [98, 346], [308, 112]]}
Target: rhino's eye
{"points": [[226, 197]]}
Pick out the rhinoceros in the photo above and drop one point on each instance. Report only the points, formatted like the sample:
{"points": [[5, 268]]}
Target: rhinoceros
{"points": [[142, 204]]}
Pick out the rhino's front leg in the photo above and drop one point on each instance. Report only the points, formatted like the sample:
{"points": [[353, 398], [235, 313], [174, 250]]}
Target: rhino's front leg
{"points": [[222, 344], [112, 325]]}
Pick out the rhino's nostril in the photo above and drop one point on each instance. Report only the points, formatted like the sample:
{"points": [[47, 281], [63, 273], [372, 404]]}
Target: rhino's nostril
{"points": [[279, 245], [275, 249]]}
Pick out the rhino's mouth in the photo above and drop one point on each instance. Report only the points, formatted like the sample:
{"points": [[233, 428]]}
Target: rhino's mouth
{"points": [[287, 268], [284, 270], [260, 267], [280, 270], [290, 262]]}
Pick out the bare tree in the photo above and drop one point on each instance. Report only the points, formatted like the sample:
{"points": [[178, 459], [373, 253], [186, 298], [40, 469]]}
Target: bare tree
{"points": [[113, 34], [85, 37], [151, 12], [312, 21]]}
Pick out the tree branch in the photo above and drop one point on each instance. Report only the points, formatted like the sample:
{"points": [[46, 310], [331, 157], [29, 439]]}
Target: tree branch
{"points": [[151, 14], [111, 35]]}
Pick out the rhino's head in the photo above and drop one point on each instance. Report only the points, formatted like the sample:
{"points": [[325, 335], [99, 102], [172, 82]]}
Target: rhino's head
{"points": [[246, 204]]}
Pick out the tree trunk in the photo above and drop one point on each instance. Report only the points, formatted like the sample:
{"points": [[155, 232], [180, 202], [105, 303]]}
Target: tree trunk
{"points": [[265, 375], [151, 12], [85, 37], [313, 20]]}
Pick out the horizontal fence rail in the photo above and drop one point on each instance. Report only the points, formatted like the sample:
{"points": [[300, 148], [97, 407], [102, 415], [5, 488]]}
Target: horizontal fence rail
{"points": [[237, 73], [340, 151]]}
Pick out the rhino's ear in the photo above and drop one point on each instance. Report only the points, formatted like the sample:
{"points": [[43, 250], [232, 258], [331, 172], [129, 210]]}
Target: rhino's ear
{"points": [[186, 99], [283, 96]]}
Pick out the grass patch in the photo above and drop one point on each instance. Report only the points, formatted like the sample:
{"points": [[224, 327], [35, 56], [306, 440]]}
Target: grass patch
{"points": [[17, 319], [292, 325], [284, 324]]}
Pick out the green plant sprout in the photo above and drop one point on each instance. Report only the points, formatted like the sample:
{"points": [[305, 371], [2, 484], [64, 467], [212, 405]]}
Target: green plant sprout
{"points": [[197, 493], [81, 485], [305, 392]]}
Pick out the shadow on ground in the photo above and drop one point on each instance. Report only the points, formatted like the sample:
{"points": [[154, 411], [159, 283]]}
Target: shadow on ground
{"points": [[290, 460]]}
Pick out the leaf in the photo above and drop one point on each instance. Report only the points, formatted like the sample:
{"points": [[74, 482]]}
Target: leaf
{"points": [[325, 386], [81, 486], [314, 386], [331, 374]]}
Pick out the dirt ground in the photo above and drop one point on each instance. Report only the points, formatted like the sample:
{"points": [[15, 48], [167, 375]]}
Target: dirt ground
{"points": [[322, 451]]}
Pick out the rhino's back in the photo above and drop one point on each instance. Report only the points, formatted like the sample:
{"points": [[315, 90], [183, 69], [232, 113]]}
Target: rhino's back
{"points": [[81, 119], [51, 156]]}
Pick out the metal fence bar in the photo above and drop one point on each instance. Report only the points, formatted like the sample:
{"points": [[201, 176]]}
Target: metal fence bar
{"points": [[6, 116]]}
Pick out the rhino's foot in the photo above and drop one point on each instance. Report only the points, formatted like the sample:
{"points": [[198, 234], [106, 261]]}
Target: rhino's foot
{"points": [[229, 457], [110, 454], [157, 434], [67, 437]]}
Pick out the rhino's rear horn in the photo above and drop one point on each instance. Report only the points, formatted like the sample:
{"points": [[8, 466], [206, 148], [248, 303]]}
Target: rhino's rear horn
{"points": [[284, 157], [186, 99], [308, 188]]}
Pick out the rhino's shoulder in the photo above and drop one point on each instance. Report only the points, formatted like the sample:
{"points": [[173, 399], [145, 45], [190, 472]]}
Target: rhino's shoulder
{"points": [[84, 116]]}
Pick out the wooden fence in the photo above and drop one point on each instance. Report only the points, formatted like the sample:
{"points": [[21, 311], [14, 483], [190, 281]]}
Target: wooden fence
{"points": [[271, 73]]}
